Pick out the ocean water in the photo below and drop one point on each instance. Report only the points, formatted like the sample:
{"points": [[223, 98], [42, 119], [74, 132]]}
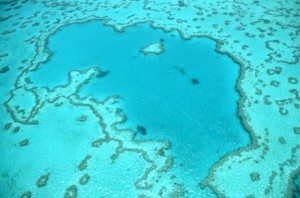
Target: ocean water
{"points": [[157, 91], [297, 187], [149, 99]]}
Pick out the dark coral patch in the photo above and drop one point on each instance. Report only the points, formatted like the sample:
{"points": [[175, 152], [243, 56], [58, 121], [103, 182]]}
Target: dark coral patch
{"points": [[24, 142], [4, 69], [16, 129], [275, 70], [26, 194], [82, 118], [84, 179], [84, 163], [71, 192], [142, 130], [281, 140], [7, 126], [102, 74], [43, 180], [255, 176], [195, 81], [296, 130], [274, 83], [293, 80]]}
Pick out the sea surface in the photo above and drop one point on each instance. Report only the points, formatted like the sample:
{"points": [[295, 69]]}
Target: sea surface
{"points": [[149, 99]]}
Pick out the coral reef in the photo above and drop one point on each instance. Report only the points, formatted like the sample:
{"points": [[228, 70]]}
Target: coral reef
{"points": [[261, 36]]}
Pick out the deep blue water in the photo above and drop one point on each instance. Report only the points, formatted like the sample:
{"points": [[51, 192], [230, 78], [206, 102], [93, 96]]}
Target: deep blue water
{"points": [[200, 120]]}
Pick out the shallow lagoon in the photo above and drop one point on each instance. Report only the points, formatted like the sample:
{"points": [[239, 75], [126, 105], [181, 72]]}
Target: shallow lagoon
{"points": [[158, 91]]}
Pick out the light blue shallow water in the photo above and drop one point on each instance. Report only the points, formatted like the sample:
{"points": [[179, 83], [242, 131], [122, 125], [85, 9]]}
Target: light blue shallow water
{"points": [[200, 120]]}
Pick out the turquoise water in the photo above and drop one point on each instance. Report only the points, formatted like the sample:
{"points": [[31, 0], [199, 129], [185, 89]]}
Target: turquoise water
{"points": [[88, 111], [157, 91]]}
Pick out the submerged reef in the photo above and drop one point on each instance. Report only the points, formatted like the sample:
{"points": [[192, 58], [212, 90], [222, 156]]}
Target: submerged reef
{"points": [[71, 192], [42, 181], [4, 69], [154, 48], [142, 130], [195, 81], [84, 179], [261, 36]]}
